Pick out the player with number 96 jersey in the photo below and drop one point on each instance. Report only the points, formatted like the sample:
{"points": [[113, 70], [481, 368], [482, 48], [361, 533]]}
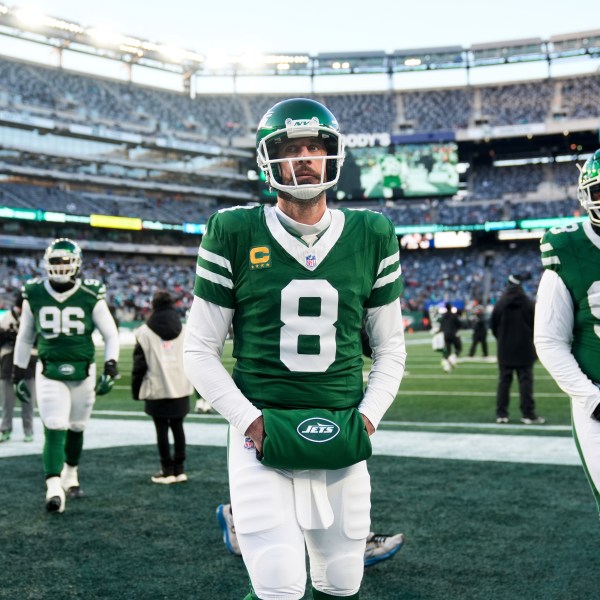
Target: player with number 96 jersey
{"points": [[64, 326], [61, 311]]}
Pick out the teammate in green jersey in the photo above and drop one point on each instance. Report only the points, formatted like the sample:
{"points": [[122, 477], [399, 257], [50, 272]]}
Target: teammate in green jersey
{"points": [[295, 281], [567, 318], [63, 310]]}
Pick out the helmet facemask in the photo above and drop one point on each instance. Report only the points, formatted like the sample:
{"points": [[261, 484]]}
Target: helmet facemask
{"points": [[331, 163], [62, 261], [588, 189]]}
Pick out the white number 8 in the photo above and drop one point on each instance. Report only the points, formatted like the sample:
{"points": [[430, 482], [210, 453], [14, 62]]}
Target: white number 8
{"points": [[296, 325]]}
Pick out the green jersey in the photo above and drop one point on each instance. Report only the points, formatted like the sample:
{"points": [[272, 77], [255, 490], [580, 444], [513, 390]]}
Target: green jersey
{"points": [[298, 309], [571, 252], [63, 321]]}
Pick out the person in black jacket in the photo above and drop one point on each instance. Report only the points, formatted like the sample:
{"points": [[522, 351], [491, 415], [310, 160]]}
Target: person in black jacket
{"points": [[512, 325], [157, 377], [450, 324], [479, 332]]}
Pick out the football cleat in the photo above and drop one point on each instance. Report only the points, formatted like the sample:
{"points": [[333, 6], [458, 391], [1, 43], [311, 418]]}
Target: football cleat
{"points": [[55, 495], [381, 546], [69, 480], [501, 420], [225, 518]]}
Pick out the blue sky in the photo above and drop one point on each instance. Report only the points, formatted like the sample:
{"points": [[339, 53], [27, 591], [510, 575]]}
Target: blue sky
{"points": [[236, 26]]}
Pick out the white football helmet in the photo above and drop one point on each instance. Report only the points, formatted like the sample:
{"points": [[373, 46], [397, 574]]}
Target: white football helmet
{"points": [[299, 118], [62, 260], [588, 187]]}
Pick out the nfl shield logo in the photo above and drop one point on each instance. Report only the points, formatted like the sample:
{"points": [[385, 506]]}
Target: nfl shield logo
{"points": [[311, 260]]}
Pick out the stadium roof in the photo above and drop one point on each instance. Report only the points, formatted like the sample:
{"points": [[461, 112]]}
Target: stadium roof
{"points": [[66, 35]]}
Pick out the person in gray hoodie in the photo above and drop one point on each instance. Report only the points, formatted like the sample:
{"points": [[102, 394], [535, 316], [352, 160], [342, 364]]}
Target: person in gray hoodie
{"points": [[157, 377]]}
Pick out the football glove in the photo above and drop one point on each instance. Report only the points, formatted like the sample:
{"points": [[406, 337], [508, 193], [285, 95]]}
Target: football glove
{"points": [[20, 385], [107, 379]]}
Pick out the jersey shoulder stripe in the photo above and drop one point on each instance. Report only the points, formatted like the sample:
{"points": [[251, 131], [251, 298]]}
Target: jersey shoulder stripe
{"points": [[561, 243], [29, 285], [227, 231], [94, 288], [388, 282]]}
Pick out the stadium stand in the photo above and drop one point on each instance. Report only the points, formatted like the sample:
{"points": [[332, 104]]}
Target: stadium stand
{"points": [[201, 167]]}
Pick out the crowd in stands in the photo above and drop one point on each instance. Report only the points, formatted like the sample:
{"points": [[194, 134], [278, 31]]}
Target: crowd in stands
{"points": [[411, 212], [459, 275], [437, 109], [430, 276], [131, 283], [516, 104], [144, 206], [489, 193], [83, 98], [580, 97], [492, 194]]}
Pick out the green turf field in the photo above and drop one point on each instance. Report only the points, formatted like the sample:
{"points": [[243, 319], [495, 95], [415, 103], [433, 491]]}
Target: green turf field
{"points": [[427, 394], [475, 530]]}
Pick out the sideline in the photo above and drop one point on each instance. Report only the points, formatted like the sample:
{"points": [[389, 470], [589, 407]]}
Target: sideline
{"points": [[532, 449]]}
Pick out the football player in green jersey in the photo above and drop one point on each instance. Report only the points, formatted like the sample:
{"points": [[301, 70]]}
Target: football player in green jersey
{"points": [[295, 281], [567, 318], [63, 310]]}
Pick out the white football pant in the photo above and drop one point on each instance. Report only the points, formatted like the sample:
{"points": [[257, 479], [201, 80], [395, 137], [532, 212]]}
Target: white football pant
{"points": [[65, 404], [587, 437], [277, 511]]}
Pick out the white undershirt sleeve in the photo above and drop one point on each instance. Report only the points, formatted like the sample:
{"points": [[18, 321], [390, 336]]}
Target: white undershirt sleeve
{"points": [[385, 329], [205, 334], [25, 337], [553, 333], [107, 327]]}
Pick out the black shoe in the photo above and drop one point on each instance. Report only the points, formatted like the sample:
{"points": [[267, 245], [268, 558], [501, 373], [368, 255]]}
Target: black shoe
{"points": [[75, 492]]}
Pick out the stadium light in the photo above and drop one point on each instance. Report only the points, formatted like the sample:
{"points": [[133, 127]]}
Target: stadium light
{"points": [[217, 59], [252, 59], [31, 17], [106, 37], [173, 53]]}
